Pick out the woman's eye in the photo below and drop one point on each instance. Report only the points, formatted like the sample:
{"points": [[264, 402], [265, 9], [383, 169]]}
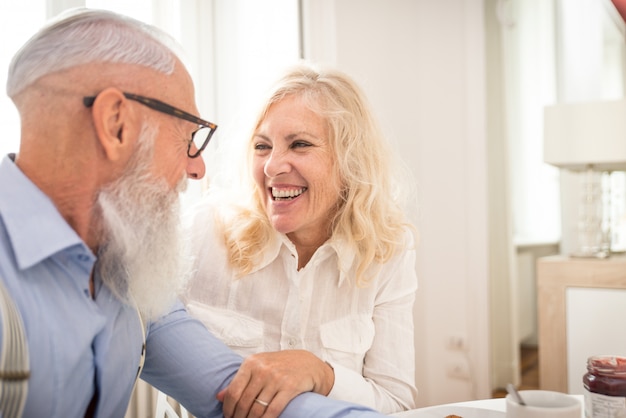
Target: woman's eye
{"points": [[300, 144], [260, 146]]}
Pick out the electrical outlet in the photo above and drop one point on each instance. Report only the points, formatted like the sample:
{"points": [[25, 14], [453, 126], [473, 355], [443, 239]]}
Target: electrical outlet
{"points": [[458, 370], [457, 343]]}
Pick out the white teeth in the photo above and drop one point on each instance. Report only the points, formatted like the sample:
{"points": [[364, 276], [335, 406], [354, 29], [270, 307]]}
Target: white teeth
{"points": [[287, 194]]}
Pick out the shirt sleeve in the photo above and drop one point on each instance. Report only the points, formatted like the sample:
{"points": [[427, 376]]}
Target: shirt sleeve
{"points": [[187, 362], [350, 385], [388, 379]]}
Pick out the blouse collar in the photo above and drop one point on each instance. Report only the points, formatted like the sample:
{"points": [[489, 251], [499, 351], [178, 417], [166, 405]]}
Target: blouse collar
{"points": [[334, 247]]}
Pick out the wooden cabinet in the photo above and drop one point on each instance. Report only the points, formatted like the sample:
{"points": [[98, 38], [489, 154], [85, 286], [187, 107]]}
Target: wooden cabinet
{"points": [[555, 275]]}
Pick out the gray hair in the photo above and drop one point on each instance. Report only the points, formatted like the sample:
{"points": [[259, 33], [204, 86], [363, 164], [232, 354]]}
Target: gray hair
{"points": [[83, 36]]}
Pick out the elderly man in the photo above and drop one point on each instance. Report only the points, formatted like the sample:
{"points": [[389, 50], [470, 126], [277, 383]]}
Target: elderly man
{"points": [[90, 252]]}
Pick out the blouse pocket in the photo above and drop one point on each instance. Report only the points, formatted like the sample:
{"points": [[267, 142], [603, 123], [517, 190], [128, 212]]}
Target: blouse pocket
{"points": [[241, 333], [346, 340]]}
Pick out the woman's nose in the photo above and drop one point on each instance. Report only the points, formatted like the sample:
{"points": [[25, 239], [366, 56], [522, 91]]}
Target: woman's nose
{"points": [[277, 163]]}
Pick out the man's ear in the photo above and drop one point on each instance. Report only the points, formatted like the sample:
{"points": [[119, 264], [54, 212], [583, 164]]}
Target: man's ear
{"points": [[116, 124]]}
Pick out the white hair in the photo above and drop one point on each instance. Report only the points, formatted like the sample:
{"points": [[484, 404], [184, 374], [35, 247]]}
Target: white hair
{"points": [[82, 36], [144, 257]]}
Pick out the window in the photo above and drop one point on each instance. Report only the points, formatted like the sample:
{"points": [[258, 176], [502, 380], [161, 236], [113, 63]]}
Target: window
{"points": [[557, 51], [530, 84], [591, 67], [234, 49], [18, 21]]}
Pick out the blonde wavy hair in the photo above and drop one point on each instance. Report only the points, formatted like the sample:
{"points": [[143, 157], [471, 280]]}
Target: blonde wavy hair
{"points": [[370, 217]]}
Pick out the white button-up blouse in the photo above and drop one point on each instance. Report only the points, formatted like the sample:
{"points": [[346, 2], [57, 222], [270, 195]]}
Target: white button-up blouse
{"points": [[364, 333]]}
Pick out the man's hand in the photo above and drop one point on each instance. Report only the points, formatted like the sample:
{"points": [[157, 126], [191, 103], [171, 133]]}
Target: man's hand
{"points": [[267, 382]]}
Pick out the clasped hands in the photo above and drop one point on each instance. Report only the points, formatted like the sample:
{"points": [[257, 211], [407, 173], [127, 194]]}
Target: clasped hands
{"points": [[267, 382]]}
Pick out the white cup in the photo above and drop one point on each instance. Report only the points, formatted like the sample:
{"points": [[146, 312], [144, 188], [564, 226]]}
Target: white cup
{"points": [[543, 404]]}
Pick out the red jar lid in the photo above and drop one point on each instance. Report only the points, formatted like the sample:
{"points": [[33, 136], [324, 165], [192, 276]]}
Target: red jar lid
{"points": [[608, 365]]}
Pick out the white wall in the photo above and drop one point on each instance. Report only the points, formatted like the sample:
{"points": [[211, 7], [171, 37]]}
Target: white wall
{"points": [[421, 62]]}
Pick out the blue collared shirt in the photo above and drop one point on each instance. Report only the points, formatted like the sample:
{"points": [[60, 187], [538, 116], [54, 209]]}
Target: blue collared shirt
{"points": [[77, 343]]}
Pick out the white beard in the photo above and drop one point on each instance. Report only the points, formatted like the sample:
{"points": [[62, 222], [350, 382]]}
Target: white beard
{"points": [[143, 258]]}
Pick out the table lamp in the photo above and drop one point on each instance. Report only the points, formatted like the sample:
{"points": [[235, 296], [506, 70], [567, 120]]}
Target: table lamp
{"points": [[588, 137]]}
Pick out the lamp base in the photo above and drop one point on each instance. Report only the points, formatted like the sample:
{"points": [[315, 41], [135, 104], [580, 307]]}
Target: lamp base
{"points": [[594, 227], [598, 254]]}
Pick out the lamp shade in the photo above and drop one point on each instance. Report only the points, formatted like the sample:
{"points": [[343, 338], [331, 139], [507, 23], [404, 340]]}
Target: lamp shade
{"points": [[580, 135]]}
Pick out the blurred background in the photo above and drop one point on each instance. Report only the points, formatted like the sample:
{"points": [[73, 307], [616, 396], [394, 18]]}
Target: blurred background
{"points": [[460, 88]]}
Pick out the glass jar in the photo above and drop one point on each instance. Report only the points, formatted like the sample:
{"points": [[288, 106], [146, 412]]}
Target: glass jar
{"points": [[605, 387]]}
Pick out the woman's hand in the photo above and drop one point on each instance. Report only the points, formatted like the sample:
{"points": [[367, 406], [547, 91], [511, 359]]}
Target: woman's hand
{"points": [[267, 382]]}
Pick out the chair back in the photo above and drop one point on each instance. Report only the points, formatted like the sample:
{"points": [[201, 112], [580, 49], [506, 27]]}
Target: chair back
{"points": [[164, 409]]}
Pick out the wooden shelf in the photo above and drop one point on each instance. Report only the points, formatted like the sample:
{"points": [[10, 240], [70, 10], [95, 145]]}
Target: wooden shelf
{"points": [[554, 275]]}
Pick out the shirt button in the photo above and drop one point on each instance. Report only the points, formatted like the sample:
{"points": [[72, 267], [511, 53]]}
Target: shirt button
{"points": [[292, 342], [83, 258]]}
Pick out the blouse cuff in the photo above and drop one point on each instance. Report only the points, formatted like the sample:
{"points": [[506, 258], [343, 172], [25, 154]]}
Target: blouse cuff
{"points": [[351, 387]]}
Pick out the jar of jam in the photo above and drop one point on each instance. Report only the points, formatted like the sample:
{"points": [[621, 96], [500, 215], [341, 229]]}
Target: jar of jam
{"points": [[605, 387]]}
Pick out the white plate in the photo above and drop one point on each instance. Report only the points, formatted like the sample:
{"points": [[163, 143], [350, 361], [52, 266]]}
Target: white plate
{"points": [[443, 411]]}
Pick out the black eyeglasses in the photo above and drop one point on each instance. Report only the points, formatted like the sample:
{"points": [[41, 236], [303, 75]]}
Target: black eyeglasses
{"points": [[200, 138]]}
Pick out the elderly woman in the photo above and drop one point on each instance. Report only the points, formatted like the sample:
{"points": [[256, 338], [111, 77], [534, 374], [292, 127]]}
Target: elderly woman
{"points": [[310, 274]]}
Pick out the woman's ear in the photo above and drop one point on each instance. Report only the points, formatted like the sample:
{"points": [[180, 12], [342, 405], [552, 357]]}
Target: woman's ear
{"points": [[117, 125]]}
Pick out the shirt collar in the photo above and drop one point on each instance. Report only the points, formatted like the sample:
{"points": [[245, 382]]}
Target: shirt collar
{"points": [[334, 246], [346, 256], [35, 228]]}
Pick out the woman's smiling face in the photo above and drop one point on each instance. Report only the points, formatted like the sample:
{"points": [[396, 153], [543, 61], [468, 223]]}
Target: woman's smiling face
{"points": [[294, 170]]}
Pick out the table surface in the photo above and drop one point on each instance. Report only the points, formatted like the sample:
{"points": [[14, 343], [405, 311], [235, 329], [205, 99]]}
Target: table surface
{"points": [[496, 404]]}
